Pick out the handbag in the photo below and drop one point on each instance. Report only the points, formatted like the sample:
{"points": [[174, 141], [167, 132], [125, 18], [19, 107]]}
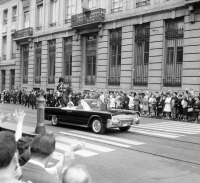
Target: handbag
{"points": [[190, 109]]}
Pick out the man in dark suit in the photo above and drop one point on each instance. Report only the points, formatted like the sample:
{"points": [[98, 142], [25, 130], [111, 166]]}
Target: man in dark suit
{"points": [[41, 149]]}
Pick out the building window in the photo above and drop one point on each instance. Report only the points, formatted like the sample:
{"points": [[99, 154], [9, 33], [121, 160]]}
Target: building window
{"points": [[115, 57], [3, 79], [142, 55], [12, 79], [91, 49], [4, 47], [5, 17], [174, 53], [140, 3], [92, 4], [13, 46], [51, 65], [38, 51], [39, 16], [26, 19], [67, 60], [69, 10], [117, 5], [25, 55], [14, 13], [53, 13]]}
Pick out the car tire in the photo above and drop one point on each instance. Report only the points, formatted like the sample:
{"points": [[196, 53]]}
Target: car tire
{"points": [[54, 120], [124, 129], [97, 126]]}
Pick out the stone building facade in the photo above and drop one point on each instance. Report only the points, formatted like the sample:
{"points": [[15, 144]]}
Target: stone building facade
{"points": [[116, 45]]}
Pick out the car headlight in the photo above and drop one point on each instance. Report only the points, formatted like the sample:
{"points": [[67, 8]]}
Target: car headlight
{"points": [[136, 118], [115, 120]]}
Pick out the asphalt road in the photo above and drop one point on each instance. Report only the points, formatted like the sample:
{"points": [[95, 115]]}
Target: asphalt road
{"points": [[155, 151]]}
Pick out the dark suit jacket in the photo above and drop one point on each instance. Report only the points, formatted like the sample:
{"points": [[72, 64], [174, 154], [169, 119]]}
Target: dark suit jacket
{"points": [[37, 174]]}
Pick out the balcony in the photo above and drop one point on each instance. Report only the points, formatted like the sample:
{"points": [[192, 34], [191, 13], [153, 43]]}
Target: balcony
{"points": [[23, 33], [142, 3], [172, 82], [114, 81], [90, 17], [140, 81], [90, 80]]}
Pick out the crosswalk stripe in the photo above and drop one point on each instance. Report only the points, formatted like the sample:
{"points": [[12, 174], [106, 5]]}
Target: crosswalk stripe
{"points": [[126, 141], [193, 126], [167, 129], [97, 140], [83, 152], [183, 128], [154, 133], [87, 145]]}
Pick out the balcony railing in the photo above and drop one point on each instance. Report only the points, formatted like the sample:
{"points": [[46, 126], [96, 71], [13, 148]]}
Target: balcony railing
{"points": [[90, 80], [93, 16], [37, 79], [140, 81], [142, 3], [174, 33], [51, 80], [114, 81], [27, 32], [172, 82], [67, 79]]}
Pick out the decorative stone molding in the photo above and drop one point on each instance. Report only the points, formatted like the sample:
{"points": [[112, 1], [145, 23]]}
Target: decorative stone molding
{"points": [[4, 1], [26, 3]]}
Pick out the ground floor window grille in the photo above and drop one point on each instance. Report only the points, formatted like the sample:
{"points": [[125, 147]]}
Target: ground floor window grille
{"points": [[174, 54], [142, 56]]}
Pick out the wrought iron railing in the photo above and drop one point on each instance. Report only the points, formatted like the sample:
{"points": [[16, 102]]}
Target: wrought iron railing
{"points": [[51, 80], [90, 80], [141, 81], [172, 82], [142, 37], [97, 15], [174, 33], [114, 81], [67, 79], [140, 3], [23, 33], [113, 10], [37, 79]]}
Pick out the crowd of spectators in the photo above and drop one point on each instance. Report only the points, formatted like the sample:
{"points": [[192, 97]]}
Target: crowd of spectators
{"points": [[173, 105], [40, 149]]}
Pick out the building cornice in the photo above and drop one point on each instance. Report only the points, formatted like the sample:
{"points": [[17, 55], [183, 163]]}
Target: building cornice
{"points": [[4, 1]]}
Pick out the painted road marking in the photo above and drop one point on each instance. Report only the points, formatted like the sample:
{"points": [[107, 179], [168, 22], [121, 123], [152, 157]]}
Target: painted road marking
{"points": [[117, 139], [95, 139], [87, 145], [83, 152]]}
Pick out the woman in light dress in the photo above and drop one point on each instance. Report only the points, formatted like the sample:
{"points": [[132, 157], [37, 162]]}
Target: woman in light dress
{"points": [[145, 104], [167, 108], [131, 101], [112, 101]]}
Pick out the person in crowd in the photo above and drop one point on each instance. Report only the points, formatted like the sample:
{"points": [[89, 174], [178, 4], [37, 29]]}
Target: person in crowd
{"points": [[184, 104], [145, 102], [131, 100], [167, 108], [196, 109], [103, 106], [76, 174], [112, 101], [179, 107], [174, 101], [190, 108], [33, 100], [159, 106]]}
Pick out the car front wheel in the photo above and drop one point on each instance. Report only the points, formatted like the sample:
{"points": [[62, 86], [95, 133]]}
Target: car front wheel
{"points": [[54, 121], [124, 129], [97, 126]]}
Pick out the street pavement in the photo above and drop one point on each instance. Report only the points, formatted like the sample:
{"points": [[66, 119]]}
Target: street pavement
{"points": [[155, 151]]}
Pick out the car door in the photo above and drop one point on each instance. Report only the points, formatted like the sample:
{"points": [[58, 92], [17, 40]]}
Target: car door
{"points": [[81, 117]]}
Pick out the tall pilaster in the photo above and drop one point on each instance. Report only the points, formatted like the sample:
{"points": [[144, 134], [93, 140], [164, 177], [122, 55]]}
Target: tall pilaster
{"points": [[59, 59], [77, 74], [44, 65], [31, 67], [18, 69], [126, 57], [156, 58]]}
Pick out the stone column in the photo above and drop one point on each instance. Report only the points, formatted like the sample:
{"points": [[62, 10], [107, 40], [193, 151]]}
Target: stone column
{"points": [[77, 77], [156, 58], [18, 69], [102, 60], [7, 84], [59, 59], [126, 57], [44, 65]]}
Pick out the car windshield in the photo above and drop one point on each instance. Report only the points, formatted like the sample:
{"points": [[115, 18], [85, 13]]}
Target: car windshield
{"points": [[85, 106]]}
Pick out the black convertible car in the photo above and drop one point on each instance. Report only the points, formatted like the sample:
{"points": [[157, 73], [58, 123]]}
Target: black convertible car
{"points": [[88, 115]]}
